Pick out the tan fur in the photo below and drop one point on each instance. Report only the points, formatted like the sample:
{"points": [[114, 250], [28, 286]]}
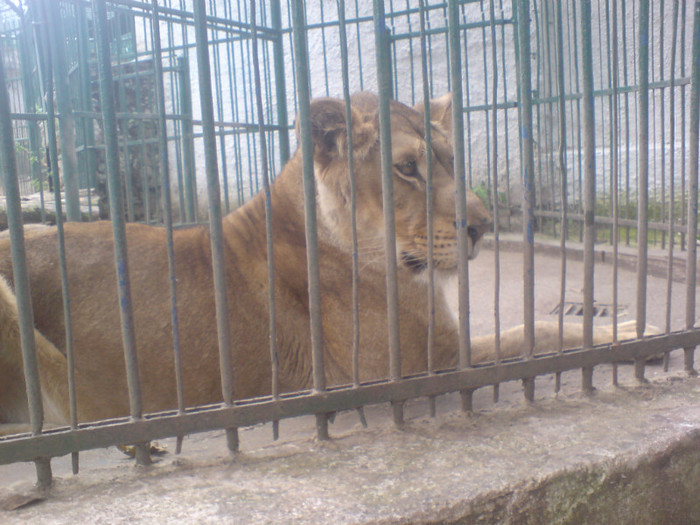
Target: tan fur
{"points": [[101, 381]]}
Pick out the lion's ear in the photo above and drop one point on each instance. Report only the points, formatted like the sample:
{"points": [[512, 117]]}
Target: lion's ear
{"points": [[329, 131], [440, 112]]}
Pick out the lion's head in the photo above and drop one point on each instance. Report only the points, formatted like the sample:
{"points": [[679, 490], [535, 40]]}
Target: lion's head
{"points": [[409, 158]]}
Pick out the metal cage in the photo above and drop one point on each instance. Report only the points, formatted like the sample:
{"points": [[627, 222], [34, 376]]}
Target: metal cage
{"points": [[574, 121]]}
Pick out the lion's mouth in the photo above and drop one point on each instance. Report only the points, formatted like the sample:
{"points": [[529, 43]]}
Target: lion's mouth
{"points": [[413, 263]]}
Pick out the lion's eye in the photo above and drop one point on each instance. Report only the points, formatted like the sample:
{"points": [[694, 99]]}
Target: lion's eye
{"points": [[408, 168]]}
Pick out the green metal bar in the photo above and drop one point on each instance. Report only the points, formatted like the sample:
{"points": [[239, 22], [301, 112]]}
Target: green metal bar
{"points": [[429, 197], [589, 189], [694, 142], [342, 36], [86, 93], [383, 60], [67, 315], [158, 426], [215, 225], [25, 45], [66, 121], [268, 219], [528, 181], [642, 177], [217, 78], [353, 194], [561, 87], [301, 70], [188, 159], [672, 174], [8, 166], [460, 183], [164, 167], [280, 82], [528, 168], [615, 145], [118, 225]]}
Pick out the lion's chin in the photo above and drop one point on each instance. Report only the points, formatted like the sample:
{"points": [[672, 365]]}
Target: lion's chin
{"points": [[473, 252]]}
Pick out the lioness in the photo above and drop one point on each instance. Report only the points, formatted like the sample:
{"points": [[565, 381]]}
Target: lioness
{"points": [[101, 382]]}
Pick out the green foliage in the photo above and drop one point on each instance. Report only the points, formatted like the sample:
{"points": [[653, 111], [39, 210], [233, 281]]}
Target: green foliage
{"points": [[484, 193]]}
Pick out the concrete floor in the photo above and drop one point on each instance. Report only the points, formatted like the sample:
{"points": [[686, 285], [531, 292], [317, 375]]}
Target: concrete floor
{"points": [[484, 467]]}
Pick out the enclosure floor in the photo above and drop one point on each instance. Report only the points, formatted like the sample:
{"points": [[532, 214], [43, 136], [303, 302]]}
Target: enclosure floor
{"points": [[622, 455]]}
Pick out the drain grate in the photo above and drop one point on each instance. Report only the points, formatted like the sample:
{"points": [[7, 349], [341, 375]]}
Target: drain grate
{"points": [[573, 308]]}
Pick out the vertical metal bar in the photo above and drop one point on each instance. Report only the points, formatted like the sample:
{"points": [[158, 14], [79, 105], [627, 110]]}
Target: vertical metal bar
{"points": [[120, 100], [662, 117], [461, 189], [528, 180], [683, 202], [506, 92], [342, 33], [671, 171], [301, 69], [215, 226], [86, 92], [384, 83], [164, 168], [564, 228], [588, 185], [694, 141], [429, 196], [53, 156], [467, 100], [189, 178], [268, 215], [280, 81], [8, 165], [66, 120], [25, 46], [217, 79], [642, 178], [494, 190], [615, 141], [118, 225]]}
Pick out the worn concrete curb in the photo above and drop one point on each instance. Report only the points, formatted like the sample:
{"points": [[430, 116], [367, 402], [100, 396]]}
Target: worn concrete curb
{"points": [[625, 455]]}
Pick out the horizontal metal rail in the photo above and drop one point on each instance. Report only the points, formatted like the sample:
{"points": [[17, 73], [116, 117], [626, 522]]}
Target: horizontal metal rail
{"points": [[157, 426]]}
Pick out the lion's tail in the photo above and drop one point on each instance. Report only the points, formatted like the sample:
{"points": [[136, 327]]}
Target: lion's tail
{"points": [[53, 368]]}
